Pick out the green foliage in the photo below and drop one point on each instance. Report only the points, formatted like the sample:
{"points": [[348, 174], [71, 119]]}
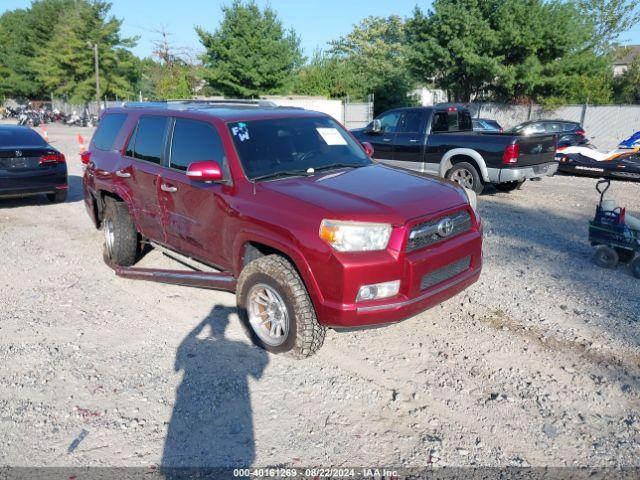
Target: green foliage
{"points": [[250, 54], [610, 18], [509, 50], [375, 55], [627, 86], [66, 63], [23, 32], [326, 76]]}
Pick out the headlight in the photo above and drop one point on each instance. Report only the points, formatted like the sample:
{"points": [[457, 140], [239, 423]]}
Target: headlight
{"points": [[355, 236], [473, 199]]}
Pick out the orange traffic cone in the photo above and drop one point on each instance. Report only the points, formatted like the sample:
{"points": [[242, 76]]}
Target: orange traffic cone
{"points": [[44, 133], [81, 146]]}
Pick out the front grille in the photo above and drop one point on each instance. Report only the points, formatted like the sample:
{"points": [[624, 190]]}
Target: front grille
{"points": [[426, 234], [443, 274]]}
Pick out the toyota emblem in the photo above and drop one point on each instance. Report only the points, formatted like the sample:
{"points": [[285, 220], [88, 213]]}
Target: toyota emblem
{"points": [[445, 227]]}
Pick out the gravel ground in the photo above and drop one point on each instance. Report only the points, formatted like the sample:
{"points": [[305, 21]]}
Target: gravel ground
{"points": [[536, 364]]}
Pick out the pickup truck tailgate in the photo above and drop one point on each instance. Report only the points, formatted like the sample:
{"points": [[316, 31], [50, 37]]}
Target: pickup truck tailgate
{"points": [[536, 149]]}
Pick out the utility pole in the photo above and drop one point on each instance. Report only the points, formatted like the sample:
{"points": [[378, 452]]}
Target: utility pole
{"points": [[97, 65]]}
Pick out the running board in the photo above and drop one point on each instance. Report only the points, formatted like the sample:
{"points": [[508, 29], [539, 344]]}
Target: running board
{"points": [[186, 278]]}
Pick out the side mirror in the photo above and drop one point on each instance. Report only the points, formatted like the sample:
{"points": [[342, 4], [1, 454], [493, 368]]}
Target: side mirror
{"points": [[368, 149], [206, 171], [376, 126]]}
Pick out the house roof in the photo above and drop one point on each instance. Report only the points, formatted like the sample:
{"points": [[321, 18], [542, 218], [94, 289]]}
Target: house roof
{"points": [[625, 55]]}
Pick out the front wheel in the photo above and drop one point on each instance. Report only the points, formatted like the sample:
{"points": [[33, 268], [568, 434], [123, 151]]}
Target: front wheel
{"points": [[606, 257], [276, 310], [467, 176]]}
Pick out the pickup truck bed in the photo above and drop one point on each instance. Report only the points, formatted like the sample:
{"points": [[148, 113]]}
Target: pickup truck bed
{"points": [[437, 140]]}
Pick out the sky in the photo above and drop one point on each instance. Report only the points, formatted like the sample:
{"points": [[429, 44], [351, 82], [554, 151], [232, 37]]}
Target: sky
{"points": [[315, 21]]}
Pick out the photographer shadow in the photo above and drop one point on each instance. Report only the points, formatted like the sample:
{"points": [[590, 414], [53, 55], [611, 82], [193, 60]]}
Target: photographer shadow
{"points": [[211, 426]]}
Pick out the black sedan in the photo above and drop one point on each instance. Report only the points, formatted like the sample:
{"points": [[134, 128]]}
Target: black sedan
{"points": [[568, 133], [30, 166], [624, 166]]}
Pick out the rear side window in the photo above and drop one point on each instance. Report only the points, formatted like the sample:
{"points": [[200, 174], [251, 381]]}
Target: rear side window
{"points": [[148, 140], [440, 122], [568, 127], [553, 127], [412, 121], [108, 130], [464, 121], [20, 137], [194, 141]]}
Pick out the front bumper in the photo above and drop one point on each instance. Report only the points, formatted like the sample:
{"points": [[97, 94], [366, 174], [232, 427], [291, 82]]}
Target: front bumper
{"points": [[414, 298], [519, 174]]}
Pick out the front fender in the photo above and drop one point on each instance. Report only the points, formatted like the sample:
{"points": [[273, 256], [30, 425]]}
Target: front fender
{"points": [[445, 163], [285, 245]]}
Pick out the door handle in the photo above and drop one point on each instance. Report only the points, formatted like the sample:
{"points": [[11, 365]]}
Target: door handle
{"points": [[413, 140], [386, 139], [122, 174], [168, 188]]}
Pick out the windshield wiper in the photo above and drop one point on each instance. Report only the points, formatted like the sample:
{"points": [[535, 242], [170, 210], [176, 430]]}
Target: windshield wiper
{"points": [[337, 165], [284, 173]]}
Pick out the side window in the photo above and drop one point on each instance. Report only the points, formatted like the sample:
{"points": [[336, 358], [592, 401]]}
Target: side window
{"points": [[553, 127], [569, 127], [194, 141], [412, 121], [464, 121], [440, 122], [147, 142], [389, 122], [108, 130]]}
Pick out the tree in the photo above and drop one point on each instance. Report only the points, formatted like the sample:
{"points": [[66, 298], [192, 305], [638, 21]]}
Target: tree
{"points": [[169, 74], [374, 51], [250, 54], [513, 50], [327, 76], [610, 18], [66, 64], [627, 85], [23, 32]]}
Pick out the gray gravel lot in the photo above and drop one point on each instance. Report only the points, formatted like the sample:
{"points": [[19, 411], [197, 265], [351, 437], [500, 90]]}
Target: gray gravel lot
{"points": [[536, 364]]}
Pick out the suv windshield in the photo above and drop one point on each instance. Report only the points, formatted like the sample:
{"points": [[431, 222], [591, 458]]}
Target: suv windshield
{"points": [[294, 145]]}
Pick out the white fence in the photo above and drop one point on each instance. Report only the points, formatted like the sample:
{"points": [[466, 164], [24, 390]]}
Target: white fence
{"points": [[605, 125], [351, 115]]}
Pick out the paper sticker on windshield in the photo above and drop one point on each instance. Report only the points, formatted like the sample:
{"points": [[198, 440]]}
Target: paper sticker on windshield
{"points": [[241, 131], [332, 136]]}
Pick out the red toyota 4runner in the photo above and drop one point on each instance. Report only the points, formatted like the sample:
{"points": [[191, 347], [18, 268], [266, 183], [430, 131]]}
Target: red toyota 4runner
{"points": [[287, 207]]}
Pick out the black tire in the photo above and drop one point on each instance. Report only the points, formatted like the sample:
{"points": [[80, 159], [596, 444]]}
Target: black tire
{"points": [[59, 197], [305, 335], [624, 255], [508, 186], [122, 248], [635, 267], [466, 175], [606, 257]]}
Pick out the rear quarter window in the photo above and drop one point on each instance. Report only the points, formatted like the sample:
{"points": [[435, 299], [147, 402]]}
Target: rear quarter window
{"points": [[108, 130]]}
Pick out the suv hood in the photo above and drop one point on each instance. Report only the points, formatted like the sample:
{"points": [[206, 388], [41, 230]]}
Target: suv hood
{"points": [[375, 193]]}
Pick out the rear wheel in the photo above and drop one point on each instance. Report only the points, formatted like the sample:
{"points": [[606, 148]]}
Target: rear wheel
{"points": [[635, 267], [508, 186], [606, 257], [120, 235], [59, 197], [276, 310], [467, 176]]}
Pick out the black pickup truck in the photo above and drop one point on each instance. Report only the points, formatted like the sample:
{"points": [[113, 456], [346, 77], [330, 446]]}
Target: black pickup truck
{"points": [[440, 140]]}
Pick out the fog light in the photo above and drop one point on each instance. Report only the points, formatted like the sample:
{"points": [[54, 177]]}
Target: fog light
{"points": [[378, 291]]}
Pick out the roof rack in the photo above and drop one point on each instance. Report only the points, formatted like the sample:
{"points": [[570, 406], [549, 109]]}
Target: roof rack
{"points": [[186, 104]]}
